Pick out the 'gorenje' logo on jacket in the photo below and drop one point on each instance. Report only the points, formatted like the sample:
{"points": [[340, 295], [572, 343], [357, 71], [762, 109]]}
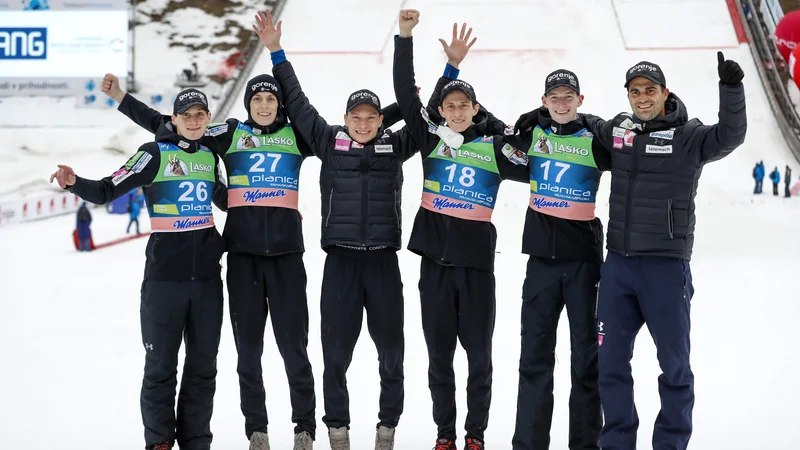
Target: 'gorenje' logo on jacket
{"points": [[564, 176], [462, 182], [263, 170], [179, 199]]}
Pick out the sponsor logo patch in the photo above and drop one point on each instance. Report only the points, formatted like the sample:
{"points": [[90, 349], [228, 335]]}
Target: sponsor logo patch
{"points": [[669, 134], [658, 149], [384, 149], [216, 131]]}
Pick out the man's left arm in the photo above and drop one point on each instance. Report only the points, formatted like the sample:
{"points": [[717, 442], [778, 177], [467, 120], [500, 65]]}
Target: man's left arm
{"points": [[715, 142]]}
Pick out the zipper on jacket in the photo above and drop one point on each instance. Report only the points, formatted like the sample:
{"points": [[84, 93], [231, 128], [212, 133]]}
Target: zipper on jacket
{"points": [[596, 300], [330, 206], [153, 248], [670, 219], [447, 221], [194, 254], [266, 230], [629, 199], [364, 177]]}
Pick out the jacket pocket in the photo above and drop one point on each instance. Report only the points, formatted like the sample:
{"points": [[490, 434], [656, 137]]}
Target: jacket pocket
{"points": [[330, 207], [670, 219]]}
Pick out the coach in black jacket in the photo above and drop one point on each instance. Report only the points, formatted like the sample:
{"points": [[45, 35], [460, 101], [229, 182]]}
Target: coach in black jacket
{"points": [[658, 155], [361, 182]]}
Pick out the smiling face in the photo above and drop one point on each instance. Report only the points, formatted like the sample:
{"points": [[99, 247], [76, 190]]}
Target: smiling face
{"points": [[647, 98], [192, 123], [363, 123], [458, 110], [264, 108], [563, 103]]}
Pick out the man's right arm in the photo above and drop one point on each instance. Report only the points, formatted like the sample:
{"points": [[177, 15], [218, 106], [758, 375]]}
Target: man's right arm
{"points": [[421, 130], [600, 128], [140, 170], [306, 121], [141, 114]]}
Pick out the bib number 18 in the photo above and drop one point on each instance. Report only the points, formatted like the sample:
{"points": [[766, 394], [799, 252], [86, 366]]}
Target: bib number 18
{"points": [[467, 177]]}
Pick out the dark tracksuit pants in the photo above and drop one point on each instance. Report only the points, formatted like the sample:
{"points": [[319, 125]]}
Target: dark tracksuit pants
{"points": [[258, 286], [656, 291], [549, 286], [172, 311], [458, 304], [352, 282]]}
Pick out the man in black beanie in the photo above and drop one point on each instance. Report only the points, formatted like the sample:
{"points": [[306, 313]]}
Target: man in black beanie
{"points": [[264, 239]]}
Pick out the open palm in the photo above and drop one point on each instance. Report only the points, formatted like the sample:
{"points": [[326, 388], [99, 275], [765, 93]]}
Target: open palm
{"points": [[459, 46], [266, 30]]}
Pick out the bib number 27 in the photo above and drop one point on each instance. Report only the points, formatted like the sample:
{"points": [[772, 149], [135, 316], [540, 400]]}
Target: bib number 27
{"points": [[260, 158]]}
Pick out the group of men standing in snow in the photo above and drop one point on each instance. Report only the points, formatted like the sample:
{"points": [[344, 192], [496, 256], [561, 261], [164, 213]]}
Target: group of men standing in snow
{"points": [[655, 155]]}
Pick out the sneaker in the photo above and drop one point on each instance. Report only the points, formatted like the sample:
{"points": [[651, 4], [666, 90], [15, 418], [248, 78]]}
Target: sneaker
{"points": [[166, 445], [474, 444], [444, 444], [339, 438], [259, 441], [303, 441], [384, 438]]}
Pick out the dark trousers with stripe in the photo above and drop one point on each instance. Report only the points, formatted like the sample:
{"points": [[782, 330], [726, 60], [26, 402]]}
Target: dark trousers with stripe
{"points": [[655, 291], [260, 286], [171, 312], [549, 286], [458, 305], [355, 281]]}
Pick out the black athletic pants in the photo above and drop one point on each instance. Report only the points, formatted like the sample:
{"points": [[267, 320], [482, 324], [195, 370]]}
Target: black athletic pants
{"points": [[172, 311], [354, 281], [258, 286], [458, 304], [549, 285]]}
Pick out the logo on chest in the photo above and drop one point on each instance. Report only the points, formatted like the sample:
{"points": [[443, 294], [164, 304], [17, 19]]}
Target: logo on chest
{"points": [[658, 149]]}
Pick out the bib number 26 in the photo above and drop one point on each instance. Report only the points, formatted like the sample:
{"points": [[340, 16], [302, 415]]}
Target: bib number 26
{"points": [[188, 188]]}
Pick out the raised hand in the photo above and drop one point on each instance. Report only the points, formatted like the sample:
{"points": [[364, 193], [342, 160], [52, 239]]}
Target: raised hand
{"points": [[266, 30], [110, 87], [459, 46], [409, 18], [64, 175], [730, 73]]}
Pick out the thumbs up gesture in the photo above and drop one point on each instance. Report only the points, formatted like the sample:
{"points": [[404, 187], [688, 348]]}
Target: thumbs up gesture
{"points": [[730, 73]]}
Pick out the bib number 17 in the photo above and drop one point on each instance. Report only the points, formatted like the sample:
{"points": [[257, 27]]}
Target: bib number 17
{"points": [[558, 164]]}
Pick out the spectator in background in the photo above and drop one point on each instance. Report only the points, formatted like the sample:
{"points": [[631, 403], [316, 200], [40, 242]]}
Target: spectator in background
{"points": [[787, 178], [758, 175], [84, 232], [775, 176], [135, 203]]}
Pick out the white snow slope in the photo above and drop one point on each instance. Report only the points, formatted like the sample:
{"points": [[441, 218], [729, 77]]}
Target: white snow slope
{"points": [[73, 359]]}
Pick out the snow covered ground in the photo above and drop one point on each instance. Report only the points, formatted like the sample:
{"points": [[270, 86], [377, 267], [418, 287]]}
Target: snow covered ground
{"points": [[73, 359]]}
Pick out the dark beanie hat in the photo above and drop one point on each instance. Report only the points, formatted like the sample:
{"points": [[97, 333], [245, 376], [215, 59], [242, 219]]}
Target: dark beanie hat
{"points": [[261, 83]]}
